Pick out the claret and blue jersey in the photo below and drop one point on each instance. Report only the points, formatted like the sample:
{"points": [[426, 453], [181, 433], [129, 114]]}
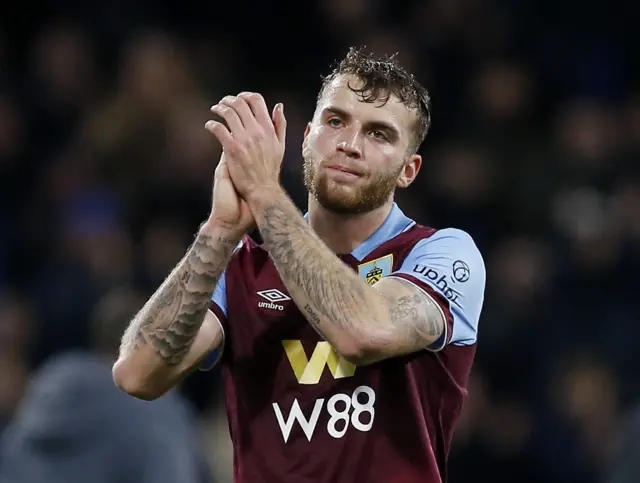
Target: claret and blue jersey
{"points": [[299, 412]]}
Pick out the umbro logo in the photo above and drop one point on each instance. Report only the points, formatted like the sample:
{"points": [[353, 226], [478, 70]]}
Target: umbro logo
{"points": [[272, 296]]}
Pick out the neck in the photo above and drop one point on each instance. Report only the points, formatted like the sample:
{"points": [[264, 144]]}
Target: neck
{"points": [[344, 233]]}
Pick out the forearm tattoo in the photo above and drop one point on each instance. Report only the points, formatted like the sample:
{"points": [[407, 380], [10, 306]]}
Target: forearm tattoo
{"points": [[171, 319], [334, 299], [327, 292]]}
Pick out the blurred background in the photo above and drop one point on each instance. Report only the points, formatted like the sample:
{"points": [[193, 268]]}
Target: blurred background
{"points": [[106, 170]]}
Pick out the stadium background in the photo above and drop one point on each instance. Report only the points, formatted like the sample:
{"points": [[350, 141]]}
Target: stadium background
{"points": [[105, 174]]}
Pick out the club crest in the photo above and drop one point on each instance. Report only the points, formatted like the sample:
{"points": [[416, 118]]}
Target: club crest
{"points": [[372, 272]]}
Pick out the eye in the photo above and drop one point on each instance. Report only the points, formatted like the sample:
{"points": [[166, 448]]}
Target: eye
{"points": [[334, 122], [378, 134]]}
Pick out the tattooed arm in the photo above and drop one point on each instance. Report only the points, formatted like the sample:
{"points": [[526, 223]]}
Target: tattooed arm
{"points": [[175, 330], [364, 324]]}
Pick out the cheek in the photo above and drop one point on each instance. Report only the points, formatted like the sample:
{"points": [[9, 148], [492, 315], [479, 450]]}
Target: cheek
{"points": [[321, 138], [385, 158]]}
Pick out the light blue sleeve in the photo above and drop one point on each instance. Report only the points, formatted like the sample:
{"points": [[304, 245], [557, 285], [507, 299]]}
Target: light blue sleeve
{"points": [[450, 263], [219, 297], [220, 294]]}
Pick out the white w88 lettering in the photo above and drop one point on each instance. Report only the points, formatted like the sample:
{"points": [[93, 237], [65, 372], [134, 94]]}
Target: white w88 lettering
{"points": [[356, 410]]}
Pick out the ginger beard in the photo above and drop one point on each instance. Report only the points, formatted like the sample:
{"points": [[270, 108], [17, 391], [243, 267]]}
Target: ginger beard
{"points": [[368, 194]]}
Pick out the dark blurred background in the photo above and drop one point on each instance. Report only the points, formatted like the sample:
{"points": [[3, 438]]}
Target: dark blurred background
{"points": [[106, 171]]}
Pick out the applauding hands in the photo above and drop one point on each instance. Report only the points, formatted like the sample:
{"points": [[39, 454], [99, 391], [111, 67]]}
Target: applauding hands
{"points": [[253, 141]]}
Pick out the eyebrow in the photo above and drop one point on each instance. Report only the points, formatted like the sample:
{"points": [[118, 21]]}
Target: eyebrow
{"points": [[382, 125]]}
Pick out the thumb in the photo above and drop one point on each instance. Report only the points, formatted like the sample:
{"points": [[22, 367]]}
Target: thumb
{"points": [[222, 170], [280, 122]]}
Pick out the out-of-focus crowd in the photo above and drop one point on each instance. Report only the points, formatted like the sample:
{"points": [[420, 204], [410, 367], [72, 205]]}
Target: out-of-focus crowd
{"points": [[106, 170]]}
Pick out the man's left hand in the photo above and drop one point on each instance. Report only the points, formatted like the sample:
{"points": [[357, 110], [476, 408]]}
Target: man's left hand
{"points": [[253, 141]]}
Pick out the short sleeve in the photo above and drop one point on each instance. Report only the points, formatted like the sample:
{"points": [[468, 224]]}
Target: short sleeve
{"points": [[449, 267], [219, 296], [219, 307]]}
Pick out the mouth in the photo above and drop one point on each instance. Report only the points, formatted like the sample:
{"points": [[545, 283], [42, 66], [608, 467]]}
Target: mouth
{"points": [[343, 169]]}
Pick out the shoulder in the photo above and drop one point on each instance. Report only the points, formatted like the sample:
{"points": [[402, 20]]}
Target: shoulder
{"points": [[452, 246], [454, 238], [448, 264]]}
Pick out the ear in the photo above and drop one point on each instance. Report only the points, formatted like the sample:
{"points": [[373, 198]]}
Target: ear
{"points": [[409, 171]]}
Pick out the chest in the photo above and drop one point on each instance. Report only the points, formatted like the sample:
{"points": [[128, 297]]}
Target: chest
{"points": [[260, 301], [266, 325]]}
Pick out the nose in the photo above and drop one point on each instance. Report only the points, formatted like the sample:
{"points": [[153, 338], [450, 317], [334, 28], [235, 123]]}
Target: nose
{"points": [[350, 147]]}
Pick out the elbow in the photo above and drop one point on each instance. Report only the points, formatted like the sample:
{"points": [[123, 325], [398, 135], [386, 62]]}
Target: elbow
{"points": [[131, 382], [368, 346], [357, 351]]}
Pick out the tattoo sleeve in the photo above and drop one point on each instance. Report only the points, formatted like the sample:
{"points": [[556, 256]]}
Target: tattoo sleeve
{"points": [[398, 319], [416, 318], [171, 319], [331, 295]]}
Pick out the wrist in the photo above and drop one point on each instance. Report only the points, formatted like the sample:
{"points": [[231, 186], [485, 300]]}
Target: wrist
{"points": [[221, 231], [259, 196]]}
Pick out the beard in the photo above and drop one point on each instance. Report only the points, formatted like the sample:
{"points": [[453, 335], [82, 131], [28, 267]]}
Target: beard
{"points": [[337, 198]]}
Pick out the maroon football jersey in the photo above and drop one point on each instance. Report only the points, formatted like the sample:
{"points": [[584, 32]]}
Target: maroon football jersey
{"points": [[298, 412]]}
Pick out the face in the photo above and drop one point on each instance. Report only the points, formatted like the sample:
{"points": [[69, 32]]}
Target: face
{"points": [[356, 153]]}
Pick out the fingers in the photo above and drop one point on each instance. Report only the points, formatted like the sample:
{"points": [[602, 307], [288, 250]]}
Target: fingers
{"points": [[243, 111], [258, 108], [280, 123], [230, 116], [220, 132], [246, 116]]}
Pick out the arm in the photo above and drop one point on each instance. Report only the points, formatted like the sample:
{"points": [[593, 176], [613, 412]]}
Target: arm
{"points": [[362, 323], [174, 331], [358, 320]]}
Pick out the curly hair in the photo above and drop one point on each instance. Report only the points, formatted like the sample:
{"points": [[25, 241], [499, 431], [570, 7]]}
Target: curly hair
{"points": [[382, 78]]}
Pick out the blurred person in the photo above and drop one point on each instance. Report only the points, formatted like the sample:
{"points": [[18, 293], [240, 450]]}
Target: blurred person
{"points": [[17, 325], [74, 425], [214, 430], [391, 307], [625, 464], [14, 375], [16, 335]]}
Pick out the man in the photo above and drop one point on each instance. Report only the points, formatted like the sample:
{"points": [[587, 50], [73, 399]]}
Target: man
{"points": [[74, 426], [346, 338]]}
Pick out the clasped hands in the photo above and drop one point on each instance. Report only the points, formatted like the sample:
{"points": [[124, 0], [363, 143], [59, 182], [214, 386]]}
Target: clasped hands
{"points": [[253, 143]]}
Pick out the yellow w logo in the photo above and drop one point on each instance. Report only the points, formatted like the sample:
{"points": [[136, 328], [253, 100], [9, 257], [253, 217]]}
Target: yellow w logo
{"points": [[308, 371]]}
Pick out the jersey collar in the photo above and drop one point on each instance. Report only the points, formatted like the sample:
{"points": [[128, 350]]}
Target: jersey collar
{"points": [[395, 223]]}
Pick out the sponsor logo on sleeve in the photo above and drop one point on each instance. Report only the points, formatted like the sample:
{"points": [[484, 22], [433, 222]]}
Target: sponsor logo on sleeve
{"points": [[441, 281], [461, 271]]}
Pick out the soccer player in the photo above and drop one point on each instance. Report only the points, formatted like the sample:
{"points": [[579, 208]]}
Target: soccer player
{"points": [[346, 336]]}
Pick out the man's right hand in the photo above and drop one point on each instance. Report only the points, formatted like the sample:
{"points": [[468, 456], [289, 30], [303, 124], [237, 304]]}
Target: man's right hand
{"points": [[228, 212]]}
